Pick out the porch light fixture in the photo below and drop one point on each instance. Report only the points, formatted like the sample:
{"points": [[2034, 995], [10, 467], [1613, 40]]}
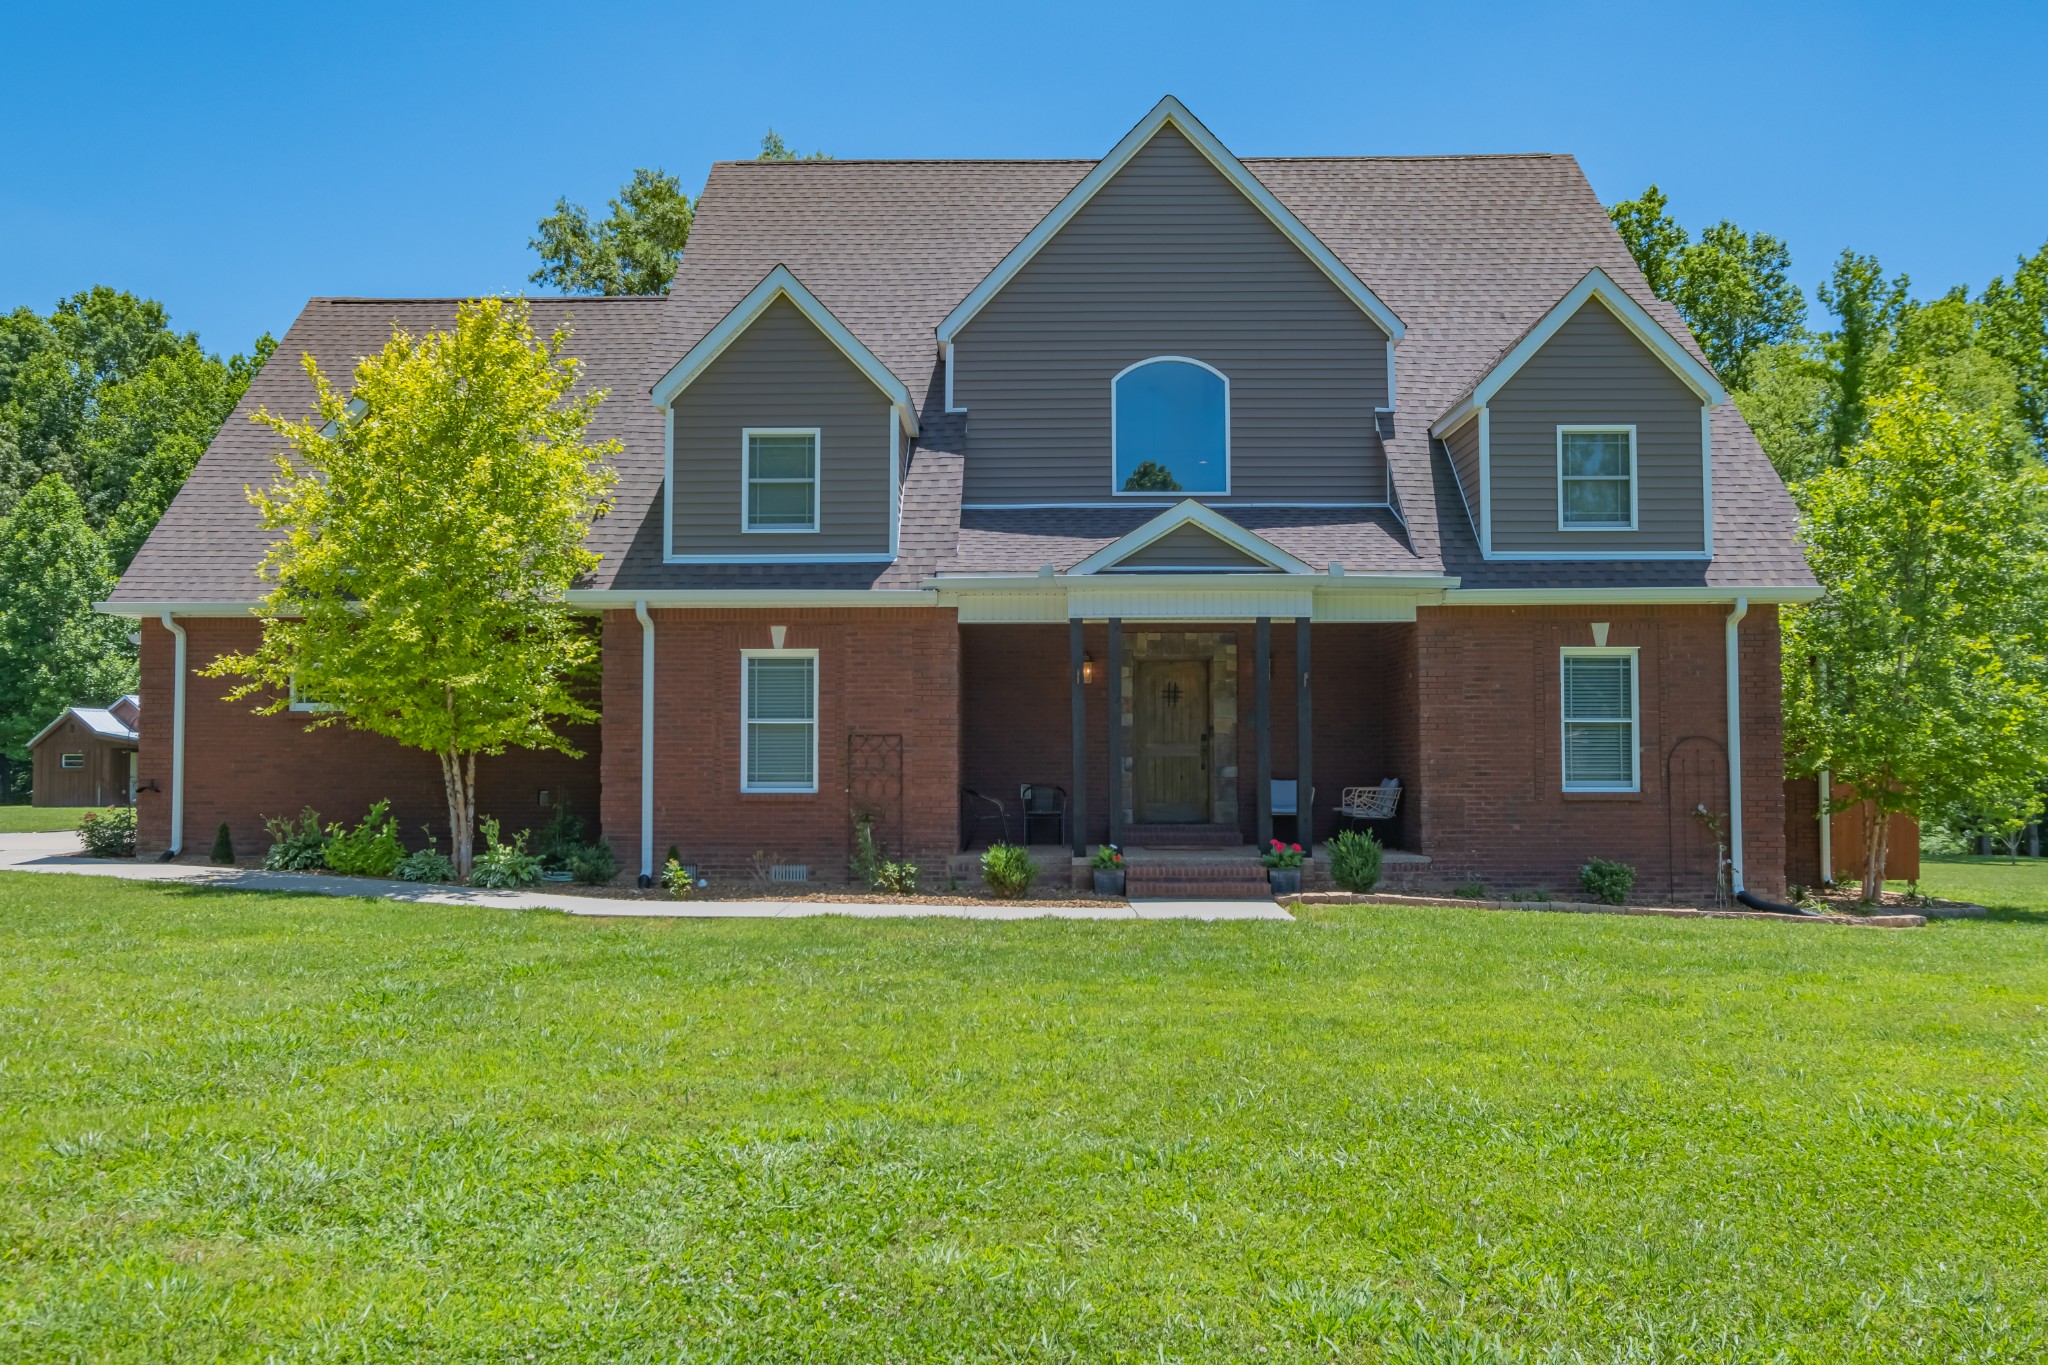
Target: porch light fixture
{"points": [[1087, 667]]}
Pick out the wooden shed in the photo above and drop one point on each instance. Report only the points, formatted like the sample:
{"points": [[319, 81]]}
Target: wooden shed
{"points": [[86, 757]]}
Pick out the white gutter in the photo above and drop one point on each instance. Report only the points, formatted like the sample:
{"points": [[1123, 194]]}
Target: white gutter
{"points": [[1735, 748], [646, 743], [735, 598], [177, 739]]}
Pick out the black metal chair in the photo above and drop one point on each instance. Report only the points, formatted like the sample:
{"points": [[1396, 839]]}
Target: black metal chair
{"points": [[1042, 801], [977, 810]]}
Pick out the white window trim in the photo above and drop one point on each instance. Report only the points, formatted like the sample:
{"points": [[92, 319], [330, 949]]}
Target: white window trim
{"points": [[747, 435], [1635, 716], [1114, 490], [65, 764], [1597, 428], [746, 720], [298, 702]]}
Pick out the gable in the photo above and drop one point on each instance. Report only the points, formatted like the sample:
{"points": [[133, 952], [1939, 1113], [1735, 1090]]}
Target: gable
{"points": [[1190, 547], [1169, 119]]}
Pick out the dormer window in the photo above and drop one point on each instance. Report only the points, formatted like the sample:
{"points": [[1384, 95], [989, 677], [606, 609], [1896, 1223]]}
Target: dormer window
{"points": [[1596, 478], [1171, 427], [782, 480]]}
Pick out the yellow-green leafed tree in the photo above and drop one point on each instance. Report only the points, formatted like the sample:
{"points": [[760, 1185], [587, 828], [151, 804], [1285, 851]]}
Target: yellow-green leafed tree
{"points": [[1921, 678], [429, 523]]}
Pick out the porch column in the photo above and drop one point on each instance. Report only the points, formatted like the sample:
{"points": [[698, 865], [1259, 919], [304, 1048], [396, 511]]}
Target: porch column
{"points": [[1113, 716], [1080, 716], [1262, 722], [1305, 777]]}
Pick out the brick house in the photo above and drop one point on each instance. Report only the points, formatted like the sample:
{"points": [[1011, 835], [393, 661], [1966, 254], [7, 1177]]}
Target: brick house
{"points": [[1159, 478]]}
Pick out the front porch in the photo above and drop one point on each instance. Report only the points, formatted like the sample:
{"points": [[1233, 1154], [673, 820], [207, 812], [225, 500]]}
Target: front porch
{"points": [[1181, 741]]}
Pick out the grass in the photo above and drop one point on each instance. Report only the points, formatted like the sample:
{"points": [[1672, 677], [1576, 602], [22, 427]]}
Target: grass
{"points": [[266, 1127], [2009, 888], [39, 819]]}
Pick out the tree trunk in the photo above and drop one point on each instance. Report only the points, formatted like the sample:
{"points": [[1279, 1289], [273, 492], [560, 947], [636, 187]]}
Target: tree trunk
{"points": [[1874, 839], [461, 809]]}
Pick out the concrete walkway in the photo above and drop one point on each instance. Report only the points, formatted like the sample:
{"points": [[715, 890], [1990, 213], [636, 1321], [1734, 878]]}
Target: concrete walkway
{"points": [[59, 853]]}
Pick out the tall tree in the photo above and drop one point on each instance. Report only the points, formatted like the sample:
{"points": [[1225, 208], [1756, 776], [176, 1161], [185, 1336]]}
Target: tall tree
{"points": [[429, 524], [2016, 331], [1731, 287], [774, 149], [1926, 677], [55, 650], [1787, 397], [633, 251], [1867, 309]]}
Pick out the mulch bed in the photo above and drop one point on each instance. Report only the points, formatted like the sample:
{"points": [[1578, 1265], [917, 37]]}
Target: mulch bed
{"points": [[1911, 920]]}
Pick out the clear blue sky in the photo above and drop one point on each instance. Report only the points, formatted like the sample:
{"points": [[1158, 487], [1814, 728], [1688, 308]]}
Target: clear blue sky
{"points": [[234, 164]]}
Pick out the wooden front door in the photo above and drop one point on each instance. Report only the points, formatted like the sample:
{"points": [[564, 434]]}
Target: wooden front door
{"points": [[1170, 733]]}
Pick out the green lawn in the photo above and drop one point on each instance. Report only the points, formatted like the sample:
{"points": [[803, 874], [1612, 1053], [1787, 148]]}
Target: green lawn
{"points": [[295, 1128], [38, 819], [2018, 888]]}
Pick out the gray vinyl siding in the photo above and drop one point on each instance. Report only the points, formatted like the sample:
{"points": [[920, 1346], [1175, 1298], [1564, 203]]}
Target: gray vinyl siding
{"points": [[1169, 258], [782, 372], [1595, 372], [1463, 447], [1190, 547]]}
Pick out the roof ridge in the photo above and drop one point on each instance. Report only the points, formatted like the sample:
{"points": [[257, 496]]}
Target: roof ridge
{"points": [[466, 298]]}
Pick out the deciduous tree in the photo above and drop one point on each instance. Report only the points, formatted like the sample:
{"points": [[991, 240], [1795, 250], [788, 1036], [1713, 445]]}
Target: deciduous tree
{"points": [[429, 522], [1921, 678], [2016, 331], [633, 251], [55, 650]]}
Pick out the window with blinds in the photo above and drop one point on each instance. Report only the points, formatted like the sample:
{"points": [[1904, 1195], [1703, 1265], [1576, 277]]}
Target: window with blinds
{"points": [[1596, 478], [1600, 749], [782, 481], [780, 737]]}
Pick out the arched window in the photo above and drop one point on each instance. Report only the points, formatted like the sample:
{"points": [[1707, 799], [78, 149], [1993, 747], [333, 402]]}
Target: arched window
{"points": [[1171, 420]]}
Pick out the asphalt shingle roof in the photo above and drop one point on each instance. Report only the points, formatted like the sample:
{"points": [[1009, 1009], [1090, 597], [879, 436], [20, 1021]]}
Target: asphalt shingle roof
{"points": [[1469, 251]]}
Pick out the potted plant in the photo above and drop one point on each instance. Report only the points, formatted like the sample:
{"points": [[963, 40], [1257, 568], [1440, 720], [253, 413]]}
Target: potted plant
{"points": [[1109, 870], [1283, 868]]}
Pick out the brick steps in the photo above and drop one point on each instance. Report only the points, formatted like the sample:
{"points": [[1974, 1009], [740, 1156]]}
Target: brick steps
{"points": [[1209, 879]]}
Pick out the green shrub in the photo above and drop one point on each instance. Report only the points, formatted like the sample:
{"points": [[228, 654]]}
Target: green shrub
{"points": [[898, 879], [223, 846], [676, 879], [1607, 881], [1470, 891], [867, 861], [560, 840], [1007, 870], [593, 864], [1355, 860], [502, 866], [108, 833], [426, 865], [371, 849], [299, 846]]}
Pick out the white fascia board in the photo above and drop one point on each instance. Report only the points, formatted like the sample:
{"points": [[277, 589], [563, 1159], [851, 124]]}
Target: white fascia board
{"points": [[1188, 512], [1553, 597], [1171, 111], [780, 283], [1320, 582], [177, 608], [1597, 284], [1593, 556], [601, 599]]}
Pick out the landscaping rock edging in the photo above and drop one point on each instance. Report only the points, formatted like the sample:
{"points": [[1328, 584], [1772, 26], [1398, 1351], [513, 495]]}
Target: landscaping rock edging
{"points": [[1592, 908]]}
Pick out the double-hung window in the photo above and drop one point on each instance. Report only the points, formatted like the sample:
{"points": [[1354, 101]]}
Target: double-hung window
{"points": [[1596, 478], [781, 493], [779, 738], [1601, 751]]}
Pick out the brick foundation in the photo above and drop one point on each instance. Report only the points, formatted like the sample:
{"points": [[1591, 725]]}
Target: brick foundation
{"points": [[242, 767]]}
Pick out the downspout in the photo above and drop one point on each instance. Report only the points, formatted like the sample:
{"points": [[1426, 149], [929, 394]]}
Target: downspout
{"points": [[177, 742], [1827, 830], [646, 742], [1735, 873]]}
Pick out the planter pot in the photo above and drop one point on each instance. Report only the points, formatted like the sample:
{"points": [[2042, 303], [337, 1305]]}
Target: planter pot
{"points": [[1109, 882], [1286, 881]]}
